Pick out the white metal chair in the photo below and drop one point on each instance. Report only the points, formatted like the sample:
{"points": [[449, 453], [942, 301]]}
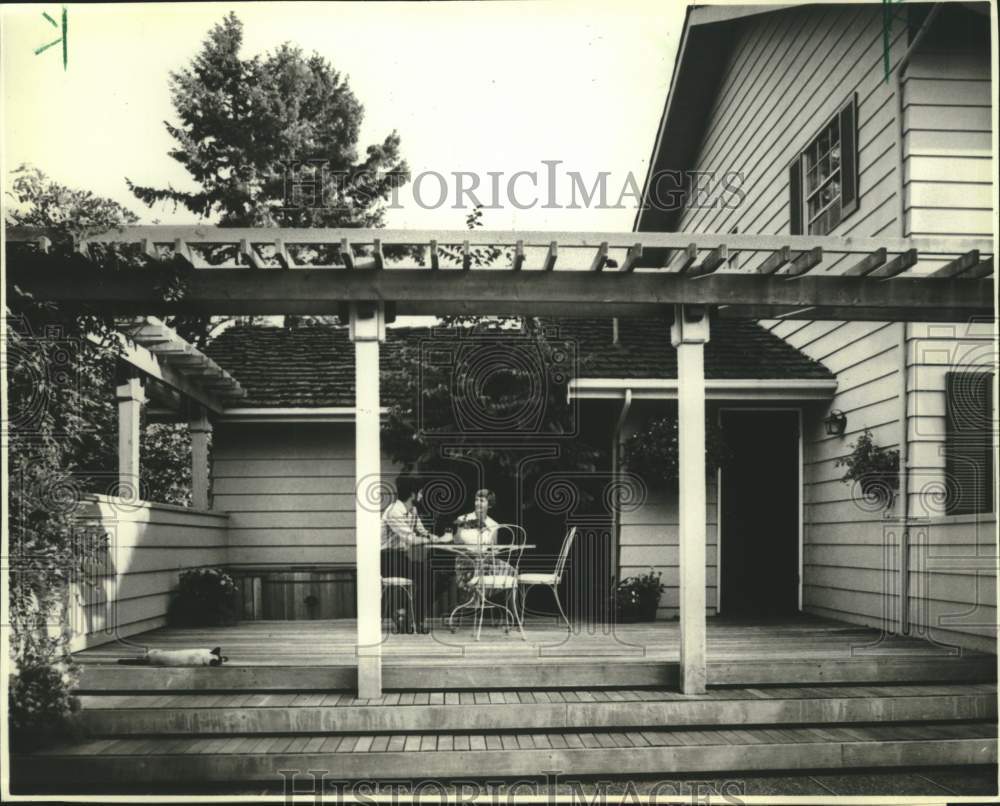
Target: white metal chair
{"points": [[493, 577], [551, 581], [404, 584]]}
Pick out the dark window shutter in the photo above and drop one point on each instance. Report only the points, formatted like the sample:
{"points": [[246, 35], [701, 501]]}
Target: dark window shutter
{"points": [[969, 442], [795, 197], [849, 157]]}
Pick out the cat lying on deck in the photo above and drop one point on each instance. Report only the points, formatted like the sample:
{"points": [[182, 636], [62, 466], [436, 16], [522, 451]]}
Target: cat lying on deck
{"points": [[178, 657]]}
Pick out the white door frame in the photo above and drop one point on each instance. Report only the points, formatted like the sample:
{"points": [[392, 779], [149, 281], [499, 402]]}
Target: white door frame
{"points": [[718, 502]]}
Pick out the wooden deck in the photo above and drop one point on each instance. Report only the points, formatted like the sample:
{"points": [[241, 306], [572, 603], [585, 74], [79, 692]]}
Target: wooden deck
{"points": [[320, 655], [824, 696]]}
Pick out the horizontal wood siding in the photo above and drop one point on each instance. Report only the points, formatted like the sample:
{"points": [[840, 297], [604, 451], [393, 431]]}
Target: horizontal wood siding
{"points": [[649, 537], [948, 183], [948, 139], [148, 546], [952, 559], [289, 490], [789, 74]]}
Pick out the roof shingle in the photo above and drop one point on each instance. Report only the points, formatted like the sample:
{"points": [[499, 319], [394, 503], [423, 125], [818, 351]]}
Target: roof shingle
{"points": [[314, 366]]}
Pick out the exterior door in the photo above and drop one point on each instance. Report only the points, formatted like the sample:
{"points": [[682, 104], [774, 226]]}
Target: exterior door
{"points": [[760, 514]]}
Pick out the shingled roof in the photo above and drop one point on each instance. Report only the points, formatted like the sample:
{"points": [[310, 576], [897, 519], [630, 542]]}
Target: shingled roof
{"points": [[314, 366]]}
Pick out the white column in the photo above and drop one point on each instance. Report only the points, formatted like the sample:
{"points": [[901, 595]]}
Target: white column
{"points": [[689, 334], [367, 330], [201, 435], [131, 398]]}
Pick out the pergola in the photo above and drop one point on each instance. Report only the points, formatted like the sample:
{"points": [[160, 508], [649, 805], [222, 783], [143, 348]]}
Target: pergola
{"points": [[371, 275]]}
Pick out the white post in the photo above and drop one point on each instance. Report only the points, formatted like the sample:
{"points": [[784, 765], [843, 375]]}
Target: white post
{"points": [[201, 433], [131, 398], [367, 330], [689, 334]]}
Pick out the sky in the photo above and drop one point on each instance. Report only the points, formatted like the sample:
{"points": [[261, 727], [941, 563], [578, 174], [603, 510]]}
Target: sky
{"points": [[470, 86]]}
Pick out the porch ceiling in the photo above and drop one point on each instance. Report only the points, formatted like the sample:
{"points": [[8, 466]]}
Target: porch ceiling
{"points": [[272, 271]]}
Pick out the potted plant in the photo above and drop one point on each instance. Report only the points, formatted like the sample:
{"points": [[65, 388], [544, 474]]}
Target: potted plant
{"points": [[653, 451], [638, 597], [873, 470], [205, 597]]}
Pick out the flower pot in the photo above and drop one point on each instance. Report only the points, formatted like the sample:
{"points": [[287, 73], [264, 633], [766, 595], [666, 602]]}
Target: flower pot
{"points": [[649, 600]]}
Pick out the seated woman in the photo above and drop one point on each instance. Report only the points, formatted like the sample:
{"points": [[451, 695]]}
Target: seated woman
{"points": [[478, 528]]}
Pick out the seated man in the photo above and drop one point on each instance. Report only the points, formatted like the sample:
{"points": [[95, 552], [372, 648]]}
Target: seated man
{"points": [[403, 538]]}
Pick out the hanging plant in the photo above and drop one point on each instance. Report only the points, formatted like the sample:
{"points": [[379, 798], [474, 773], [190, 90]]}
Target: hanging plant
{"points": [[874, 472], [653, 452]]}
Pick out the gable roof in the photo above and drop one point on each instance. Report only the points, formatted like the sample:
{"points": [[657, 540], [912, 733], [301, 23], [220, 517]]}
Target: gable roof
{"points": [[313, 366], [698, 68]]}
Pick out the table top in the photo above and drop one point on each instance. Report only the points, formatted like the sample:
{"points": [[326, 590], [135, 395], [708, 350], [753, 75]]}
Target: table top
{"points": [[478, 548]]}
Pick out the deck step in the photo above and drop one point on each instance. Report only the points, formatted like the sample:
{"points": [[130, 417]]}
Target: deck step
{"points": [[549, 672], [226, 714], [141, 762]]}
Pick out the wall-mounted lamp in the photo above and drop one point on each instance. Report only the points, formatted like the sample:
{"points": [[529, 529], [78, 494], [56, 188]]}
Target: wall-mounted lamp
{"points": [[836, 423]]}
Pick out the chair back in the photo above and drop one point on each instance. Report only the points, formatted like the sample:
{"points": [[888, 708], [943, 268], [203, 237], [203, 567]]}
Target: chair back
{"points": [[518, 538], [564, 554]]}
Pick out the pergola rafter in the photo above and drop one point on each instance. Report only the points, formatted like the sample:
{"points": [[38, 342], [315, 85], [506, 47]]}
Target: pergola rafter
{"points": [[272, 271]]}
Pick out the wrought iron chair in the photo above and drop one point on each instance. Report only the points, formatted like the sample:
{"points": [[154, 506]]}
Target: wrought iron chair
{"points": [[525, 582], [498, 574]]}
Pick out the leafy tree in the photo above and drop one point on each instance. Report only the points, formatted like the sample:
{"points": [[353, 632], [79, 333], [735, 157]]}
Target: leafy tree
{"points": [[60, 433], [52, 369], [247, 123]]}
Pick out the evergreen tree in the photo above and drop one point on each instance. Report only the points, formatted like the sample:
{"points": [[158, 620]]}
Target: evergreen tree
{"points": [[248, 126]]}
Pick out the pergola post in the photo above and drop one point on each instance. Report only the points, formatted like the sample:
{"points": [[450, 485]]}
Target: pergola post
{"points": [[131, 397], [200, 428], [367, 329], [689, 334]]}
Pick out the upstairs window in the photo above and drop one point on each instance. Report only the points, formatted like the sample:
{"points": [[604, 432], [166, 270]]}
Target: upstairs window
{"points": [[823, 179], [969, 442]]}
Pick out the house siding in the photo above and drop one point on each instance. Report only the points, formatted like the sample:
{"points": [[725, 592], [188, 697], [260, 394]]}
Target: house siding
{"points": [[948, 140], [788, 73], [289, 491], [649, 536], [148, 546]]}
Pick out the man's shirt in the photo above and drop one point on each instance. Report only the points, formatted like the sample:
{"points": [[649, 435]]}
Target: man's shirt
{"points": [[401, 528]]}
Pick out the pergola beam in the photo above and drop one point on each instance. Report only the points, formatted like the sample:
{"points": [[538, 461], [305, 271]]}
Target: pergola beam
{"points": [[426, 292]]}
